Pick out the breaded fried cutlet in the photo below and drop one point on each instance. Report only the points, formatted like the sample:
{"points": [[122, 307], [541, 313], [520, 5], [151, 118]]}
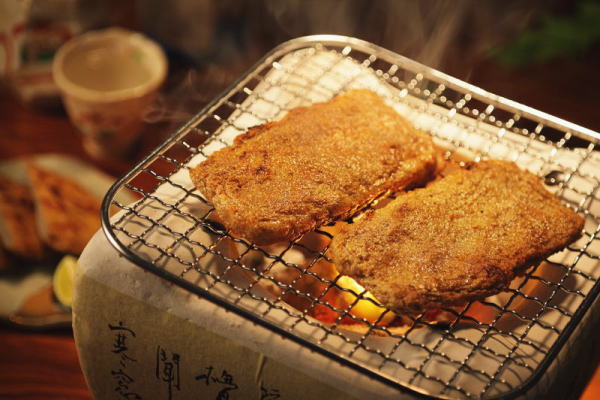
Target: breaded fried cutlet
{"points": [[318, 164], [462, 238], [17, 220], [67, 215]]}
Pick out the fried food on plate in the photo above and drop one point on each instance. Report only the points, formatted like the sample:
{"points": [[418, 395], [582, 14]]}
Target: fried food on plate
{"points": [[318, 164], [18, 233], [462, 238], [67, 215]]}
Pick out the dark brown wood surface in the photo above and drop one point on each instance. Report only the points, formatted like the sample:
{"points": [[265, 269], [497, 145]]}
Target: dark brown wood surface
{"points": [[45, 365], [40, 366]]}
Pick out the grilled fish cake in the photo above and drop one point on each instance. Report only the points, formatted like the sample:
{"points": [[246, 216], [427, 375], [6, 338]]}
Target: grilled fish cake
{"points": [[67, 215], [17, 220], [462, 238], [316, 165]]}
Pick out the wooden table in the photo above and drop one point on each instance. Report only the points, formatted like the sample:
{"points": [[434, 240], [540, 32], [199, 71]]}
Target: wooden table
{"points": [[35, 366], [45, 365]]}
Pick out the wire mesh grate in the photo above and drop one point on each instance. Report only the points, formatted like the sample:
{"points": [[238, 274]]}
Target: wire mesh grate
{"points": [[483, 349]]}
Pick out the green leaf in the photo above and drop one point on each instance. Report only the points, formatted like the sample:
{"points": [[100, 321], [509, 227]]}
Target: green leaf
{"points": [[556, 37]]}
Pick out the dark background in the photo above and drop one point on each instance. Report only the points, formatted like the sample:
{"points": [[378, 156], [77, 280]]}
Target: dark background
{"points": [[542, 53], [545, 54]]}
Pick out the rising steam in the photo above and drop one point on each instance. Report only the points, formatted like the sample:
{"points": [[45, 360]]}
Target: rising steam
{"points": [[447, 35]]}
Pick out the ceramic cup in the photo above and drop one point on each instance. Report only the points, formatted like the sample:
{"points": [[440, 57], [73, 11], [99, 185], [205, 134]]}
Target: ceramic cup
{"points": [[13, 15], [107, 79]]}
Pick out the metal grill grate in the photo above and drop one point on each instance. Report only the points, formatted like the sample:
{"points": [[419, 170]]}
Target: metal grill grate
{"points": [[486, 349]]}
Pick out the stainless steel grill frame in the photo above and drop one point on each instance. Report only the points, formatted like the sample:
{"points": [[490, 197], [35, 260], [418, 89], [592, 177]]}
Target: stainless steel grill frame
{"points": [[440, 96]]}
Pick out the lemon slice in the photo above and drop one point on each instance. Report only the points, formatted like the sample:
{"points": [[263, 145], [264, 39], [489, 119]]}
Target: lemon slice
{"points": [[62, 281]]}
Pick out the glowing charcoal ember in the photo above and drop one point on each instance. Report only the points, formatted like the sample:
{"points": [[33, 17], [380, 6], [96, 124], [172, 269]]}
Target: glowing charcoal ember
{"points": [[356, 300]]}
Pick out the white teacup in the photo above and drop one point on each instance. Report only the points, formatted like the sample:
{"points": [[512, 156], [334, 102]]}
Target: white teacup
{"points": [[107, 79]]}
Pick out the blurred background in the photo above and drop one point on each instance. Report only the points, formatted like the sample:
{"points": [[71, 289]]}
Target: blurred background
{"points": [[541, 53], [545, 54]]}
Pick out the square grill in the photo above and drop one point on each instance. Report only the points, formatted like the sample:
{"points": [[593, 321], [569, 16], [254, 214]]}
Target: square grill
{"points": [[485, 349]]}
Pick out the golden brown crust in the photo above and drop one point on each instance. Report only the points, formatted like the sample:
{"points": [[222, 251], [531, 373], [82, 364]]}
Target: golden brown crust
{"points": [[18, 232], [68, 216], [317, 165], [462, 238]]}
